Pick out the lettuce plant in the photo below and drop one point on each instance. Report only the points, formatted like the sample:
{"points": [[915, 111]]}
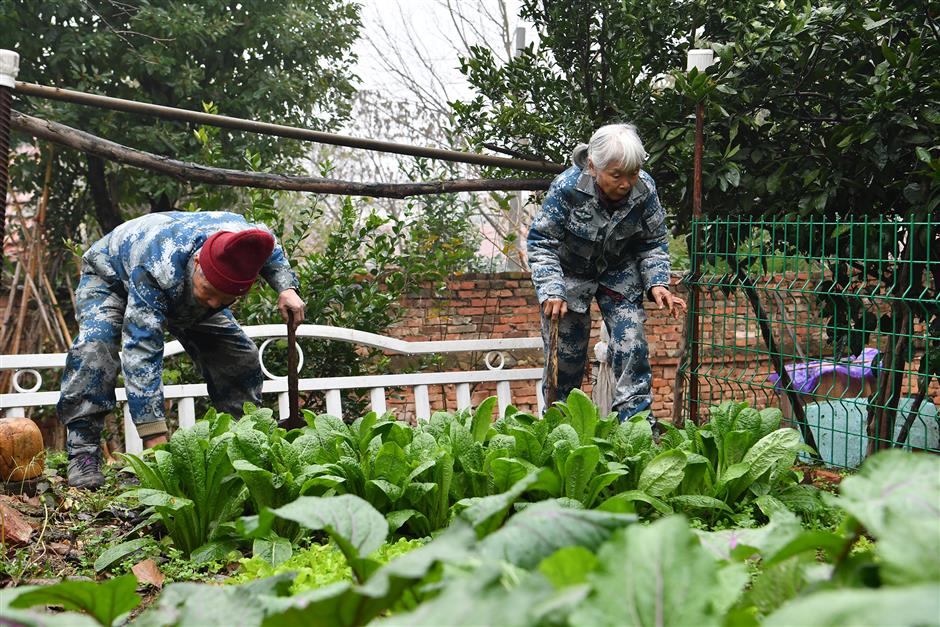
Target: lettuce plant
{"points": [[317, 565], [190, 483], [276, 466], [571, 442]]}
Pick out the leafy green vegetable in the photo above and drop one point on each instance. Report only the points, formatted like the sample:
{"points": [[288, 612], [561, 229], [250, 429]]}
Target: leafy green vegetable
{"points": [[121, 551], [317, 565], [356, 527], [915, 605], [568, 566], [191, 484], [105, 601], [205, 605], [656, 575], [542, 528], [894, 490]]}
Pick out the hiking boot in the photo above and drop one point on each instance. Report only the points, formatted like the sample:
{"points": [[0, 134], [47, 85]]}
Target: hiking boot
{"points": [[85, 471]]}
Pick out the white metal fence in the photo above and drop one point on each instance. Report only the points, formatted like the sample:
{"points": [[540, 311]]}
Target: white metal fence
{"points": [[24, 396]]}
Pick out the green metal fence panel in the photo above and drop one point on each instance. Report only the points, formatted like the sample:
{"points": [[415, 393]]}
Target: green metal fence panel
{"points": [[835, 322]]}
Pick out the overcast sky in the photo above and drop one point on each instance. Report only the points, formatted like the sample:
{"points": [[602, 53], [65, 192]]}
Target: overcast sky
{"points": [[423, 23]]}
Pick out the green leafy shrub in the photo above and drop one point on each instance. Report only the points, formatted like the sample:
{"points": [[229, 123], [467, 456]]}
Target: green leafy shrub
{"points": [[420, 476], [716, 470], [276, 467], [93, 603], [406, 472]]}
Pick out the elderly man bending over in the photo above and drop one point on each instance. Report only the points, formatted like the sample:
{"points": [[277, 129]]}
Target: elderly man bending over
{"points": [[176, 272]]}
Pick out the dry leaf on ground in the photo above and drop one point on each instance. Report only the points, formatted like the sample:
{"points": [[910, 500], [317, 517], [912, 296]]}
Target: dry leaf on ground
{"points": [[147, 572], [14, 528]]}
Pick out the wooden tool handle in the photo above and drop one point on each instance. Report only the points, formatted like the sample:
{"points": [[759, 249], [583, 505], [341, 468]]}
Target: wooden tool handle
{"points": [[551, 364], [293, 396]]}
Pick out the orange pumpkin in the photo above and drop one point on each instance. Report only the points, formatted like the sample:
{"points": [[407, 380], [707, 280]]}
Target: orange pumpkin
{"points": [[22, 455]]}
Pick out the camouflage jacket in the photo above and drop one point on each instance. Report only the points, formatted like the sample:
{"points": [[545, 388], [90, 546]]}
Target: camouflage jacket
{"points": [[575, 244], [150, 261]]}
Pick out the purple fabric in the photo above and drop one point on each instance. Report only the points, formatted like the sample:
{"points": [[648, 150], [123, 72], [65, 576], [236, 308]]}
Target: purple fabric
{"points": [[805, 376]]}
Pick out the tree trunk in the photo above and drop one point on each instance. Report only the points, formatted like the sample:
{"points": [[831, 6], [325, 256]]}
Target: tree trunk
{"points": [[786, 383], [106, 210], [924, 375], [881, 419], [161, 204]]}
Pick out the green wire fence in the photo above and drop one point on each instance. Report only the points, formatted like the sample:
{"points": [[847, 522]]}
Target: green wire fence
{"points": [[836, 322]]}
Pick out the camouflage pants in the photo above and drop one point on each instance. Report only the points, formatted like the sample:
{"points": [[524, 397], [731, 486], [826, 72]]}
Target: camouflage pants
{"points": [[227, 358], [628, 353]]}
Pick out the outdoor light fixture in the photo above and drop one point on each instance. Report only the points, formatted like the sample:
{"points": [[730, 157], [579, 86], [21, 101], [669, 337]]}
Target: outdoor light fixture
{"points": [[9, 68], [700, 59]]}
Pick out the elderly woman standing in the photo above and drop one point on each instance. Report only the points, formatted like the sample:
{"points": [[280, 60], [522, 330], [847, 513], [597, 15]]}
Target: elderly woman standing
{"points": [[601, 233]]}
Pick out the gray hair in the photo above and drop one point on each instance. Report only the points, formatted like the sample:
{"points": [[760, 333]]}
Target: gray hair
{"points": [[617, 144]]}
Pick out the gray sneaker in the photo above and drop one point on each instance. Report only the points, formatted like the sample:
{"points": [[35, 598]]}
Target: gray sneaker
{"points": [[85, 471]]}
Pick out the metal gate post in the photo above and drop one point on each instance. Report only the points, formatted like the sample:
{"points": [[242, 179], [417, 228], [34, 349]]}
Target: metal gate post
{"points": [[700, 59]]}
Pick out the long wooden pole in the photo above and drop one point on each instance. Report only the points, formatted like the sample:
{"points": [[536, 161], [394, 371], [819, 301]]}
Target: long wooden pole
{"points": [[33, 252], [9, 67], [280, 130], [63, 325], [11, 299], [551, 364], [195, 173]]}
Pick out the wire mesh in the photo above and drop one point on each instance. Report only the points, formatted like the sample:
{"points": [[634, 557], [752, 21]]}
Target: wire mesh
{"points": [[836, 322]]}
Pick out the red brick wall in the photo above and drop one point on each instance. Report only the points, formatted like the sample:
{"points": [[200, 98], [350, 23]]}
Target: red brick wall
{"points": [[503, 305], [473, 306]]}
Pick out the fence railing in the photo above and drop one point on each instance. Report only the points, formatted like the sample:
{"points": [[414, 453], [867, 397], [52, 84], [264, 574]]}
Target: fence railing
{"points": [[25, 396], [835, 321]]}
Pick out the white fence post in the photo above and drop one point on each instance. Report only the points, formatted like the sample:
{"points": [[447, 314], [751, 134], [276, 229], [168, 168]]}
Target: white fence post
{"points": [[334, 403], [504, 396], [187, 411], [377, 398], [283, 406], [422, 403], [463, 396], [132, 442]]}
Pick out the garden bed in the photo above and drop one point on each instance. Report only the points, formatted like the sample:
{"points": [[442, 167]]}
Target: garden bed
{"points": [[462, 520]]}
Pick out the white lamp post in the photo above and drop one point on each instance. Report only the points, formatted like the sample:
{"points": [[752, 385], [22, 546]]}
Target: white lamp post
{"points": [[700, 59]]}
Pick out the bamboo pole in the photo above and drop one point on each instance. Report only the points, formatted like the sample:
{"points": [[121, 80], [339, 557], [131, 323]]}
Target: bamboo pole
{"points": [[63, 325], [34, 252], [9, 68], [24, 302], [10, 301], [68, 284], [43, 315]]}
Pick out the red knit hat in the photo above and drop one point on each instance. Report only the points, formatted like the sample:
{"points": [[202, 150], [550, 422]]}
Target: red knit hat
{"points": [[231, 261]]}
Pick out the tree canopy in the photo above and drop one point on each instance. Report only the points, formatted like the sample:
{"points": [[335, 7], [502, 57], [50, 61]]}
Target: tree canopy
{"points": [[812, 107], [286, 62]]}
